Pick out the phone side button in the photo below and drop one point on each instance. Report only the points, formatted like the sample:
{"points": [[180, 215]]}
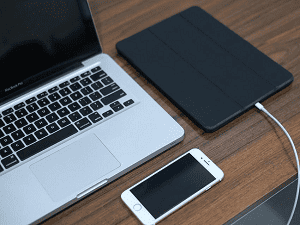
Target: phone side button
{"points": [[137, 207]]}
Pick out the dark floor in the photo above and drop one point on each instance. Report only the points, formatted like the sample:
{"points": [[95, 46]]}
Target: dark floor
{"points": [[274, 209]]}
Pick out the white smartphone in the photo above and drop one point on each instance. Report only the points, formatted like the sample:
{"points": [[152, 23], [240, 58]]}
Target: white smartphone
{"points": [[172, 186]]}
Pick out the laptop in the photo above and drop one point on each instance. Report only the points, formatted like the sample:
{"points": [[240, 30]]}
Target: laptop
{"points": [[71, 119]]}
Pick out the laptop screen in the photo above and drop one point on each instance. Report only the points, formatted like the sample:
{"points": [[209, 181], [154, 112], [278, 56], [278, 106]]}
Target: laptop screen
{"points": [[40, 39]]}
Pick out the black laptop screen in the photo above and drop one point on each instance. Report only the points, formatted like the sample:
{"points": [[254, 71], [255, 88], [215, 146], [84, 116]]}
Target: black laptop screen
{"points": [[41, 37]]}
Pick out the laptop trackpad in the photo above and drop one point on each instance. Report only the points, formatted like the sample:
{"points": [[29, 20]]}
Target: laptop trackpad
{"points": [[72, 168]]}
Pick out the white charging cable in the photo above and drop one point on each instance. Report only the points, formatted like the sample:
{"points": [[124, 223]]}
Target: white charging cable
{"points": [[260, 107]]}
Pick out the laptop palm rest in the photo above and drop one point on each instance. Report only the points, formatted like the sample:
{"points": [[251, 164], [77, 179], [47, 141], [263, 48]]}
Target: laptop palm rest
{"points": [[74, 167]]}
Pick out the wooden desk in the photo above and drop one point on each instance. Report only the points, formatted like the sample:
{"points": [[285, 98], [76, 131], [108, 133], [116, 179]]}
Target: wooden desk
{"points": [[253, 152]]}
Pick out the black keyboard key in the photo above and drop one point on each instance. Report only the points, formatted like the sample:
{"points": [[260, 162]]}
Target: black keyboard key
{"points": [[85, 111], [63, 112], [21, 123], [41, 133], [113, 97], [65, 101], [97, 85], [41, 123], [118, 108], [47, 142], [114, 104], [17, 135], [1, 169], [85, 101], [74, 106], [96, 105], [94, 70], [75, 116], [52, 117], [107, 80], [73, 80], [4, 152], [64, 84], [86, 90], [33, 107], [31, 100], [21, 112], [54, 106], [83, 123], [10, 161], [42, 95], [17, 145], [63, 122], [85, 74], [19, 106], [29, 139], [65, 91], [86, 81], [1, 134], [52, 128], [9, 118], [54, 89], [54, 97], [95, 117], [43, 112], [6, 141], [32, 117], [7, 111], [129, 102], [75, 86], [77, 95], [43, 102], [98, 75], [1, 123], [95, 96], [9, 128], [109, 89], [29, 129], [108, 113]]}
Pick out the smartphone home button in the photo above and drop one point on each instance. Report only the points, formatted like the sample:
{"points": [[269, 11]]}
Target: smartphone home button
{"points": [[137, 207]]}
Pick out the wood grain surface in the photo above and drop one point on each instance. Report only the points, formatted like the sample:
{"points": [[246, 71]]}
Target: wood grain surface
{"points": [[253, 152]]}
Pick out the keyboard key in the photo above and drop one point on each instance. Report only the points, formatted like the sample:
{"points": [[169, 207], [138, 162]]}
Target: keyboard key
{"points": [[52, 117], [85, 74], [85, 101], [96, 105], [39, 96], [54, 97], [32, 107], [9, 128], [109, 89], [97, 85], [65, 101], [94, 70], [118, 108], [64, 84], [43, 102], [83, 123], [114, 104], [54, 89], [43, 112], [108, 113], [41, 123], [75, 79], [7, 111], [41, 133], [6, 141], [63, 112], [21, 123], [31, 100], [17, 135], [29, 129], [129, 102], [86, 90], [21, 112], [17, 145], [63, 122], [1, 123], [74, 106], [65, 92], [1, 134], [113, 97], [75, 86], [107, 81], [47, 142], [86, 81], [98, 76], [95, 117], [75, 116], [9, 118], [1, 169], [19, 106], [52, 128], [4, 152], [10, 161], [54, 106], [95, 96], [77, 95], [29, 139], [85, 111], [32, 117]]}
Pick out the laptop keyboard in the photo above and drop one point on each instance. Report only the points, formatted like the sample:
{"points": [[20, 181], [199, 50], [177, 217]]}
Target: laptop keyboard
{"points": [[54, 115]]}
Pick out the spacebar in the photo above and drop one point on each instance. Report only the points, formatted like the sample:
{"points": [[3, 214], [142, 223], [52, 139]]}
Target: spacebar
{"points": [[46, 142]]}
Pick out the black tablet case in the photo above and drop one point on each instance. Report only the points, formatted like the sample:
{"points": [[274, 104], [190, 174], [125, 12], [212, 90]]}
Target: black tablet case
{"points": [[205, 69]]}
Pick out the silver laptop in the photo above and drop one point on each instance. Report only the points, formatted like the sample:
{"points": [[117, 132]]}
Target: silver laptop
{"points": [[71, 120]]}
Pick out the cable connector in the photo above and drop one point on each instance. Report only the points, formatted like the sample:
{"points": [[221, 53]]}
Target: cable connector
{"points": [[259, 106]]}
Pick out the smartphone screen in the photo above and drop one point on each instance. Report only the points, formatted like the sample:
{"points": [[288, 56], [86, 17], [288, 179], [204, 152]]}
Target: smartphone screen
{"points": [[172, 185]]}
